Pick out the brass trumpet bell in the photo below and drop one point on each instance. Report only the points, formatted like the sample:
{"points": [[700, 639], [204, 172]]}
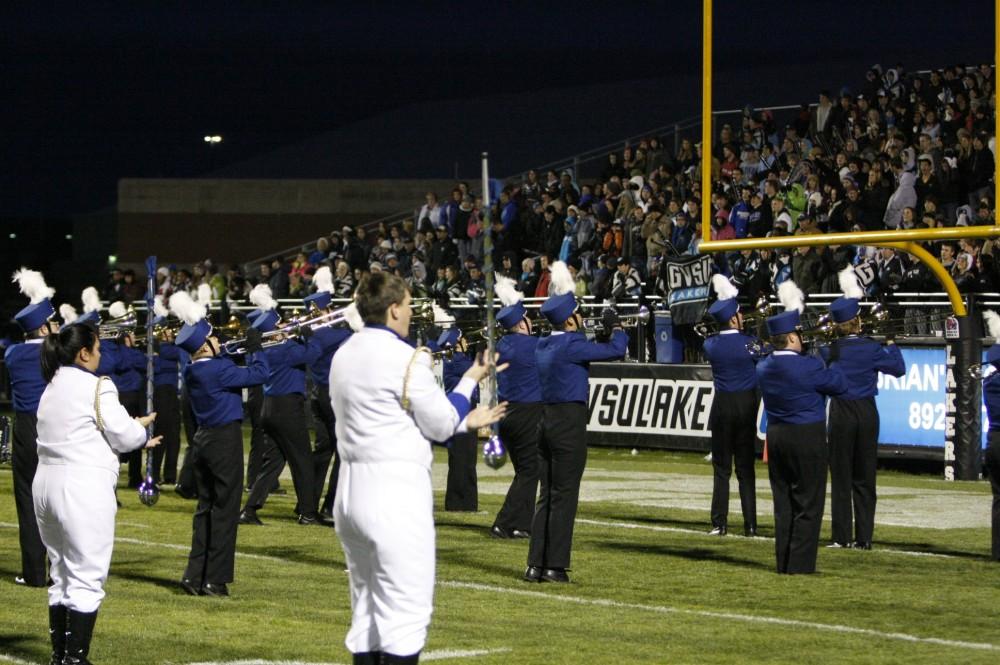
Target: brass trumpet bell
{"points": [[118, 326]]}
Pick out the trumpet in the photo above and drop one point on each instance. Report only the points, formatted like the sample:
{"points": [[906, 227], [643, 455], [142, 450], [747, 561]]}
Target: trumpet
{"points": [[160, 333], [751, 321], [115, 328]]}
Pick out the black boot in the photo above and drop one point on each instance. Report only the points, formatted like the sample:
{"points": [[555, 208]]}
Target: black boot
{"points": [[368, 658], [57, 633], [392, 659], [79, 630]]}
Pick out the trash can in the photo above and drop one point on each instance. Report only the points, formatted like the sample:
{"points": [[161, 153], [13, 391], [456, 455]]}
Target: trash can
{"points": [[668, 348]]}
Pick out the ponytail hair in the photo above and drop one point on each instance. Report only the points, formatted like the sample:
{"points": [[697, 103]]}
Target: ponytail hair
{"points": [[61, 349]]}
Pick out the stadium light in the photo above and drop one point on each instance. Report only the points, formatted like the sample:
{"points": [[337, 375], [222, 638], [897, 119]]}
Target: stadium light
{"points": [[213, 139]]}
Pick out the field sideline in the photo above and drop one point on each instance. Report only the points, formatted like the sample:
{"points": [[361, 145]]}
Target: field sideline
{"points": [[649, 585]]}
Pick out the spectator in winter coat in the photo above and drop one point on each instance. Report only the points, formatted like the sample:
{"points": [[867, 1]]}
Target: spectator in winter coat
{"points": [[904, 196], [544, 275], [682, 233], [626, 282]]}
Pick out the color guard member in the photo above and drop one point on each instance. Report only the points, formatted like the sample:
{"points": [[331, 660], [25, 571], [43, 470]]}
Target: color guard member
{"points": [[733, 418], [462, 489], [563, 360], [793, 387], [854, 419], [519, 430], [389, 407]]}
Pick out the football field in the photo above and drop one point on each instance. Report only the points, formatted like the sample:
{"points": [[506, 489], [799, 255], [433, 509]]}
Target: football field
{"points": [[649, 585]]}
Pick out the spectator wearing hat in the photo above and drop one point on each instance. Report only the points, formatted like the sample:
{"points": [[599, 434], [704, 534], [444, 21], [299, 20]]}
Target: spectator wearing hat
{"points": [[721, 229], [793, 387], [626, 282], [682, 233]]}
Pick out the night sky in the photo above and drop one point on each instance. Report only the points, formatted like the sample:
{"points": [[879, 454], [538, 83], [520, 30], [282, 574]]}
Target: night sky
{"points": [[93, 93]]}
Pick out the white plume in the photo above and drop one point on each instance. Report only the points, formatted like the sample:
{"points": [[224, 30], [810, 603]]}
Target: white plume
{"points": [[261, 297], [849, 283], [441, 316], [32, 284], [323, 279], [91, 300], [68, 313], [791, 296], [186, 309], [506, 291], [992, 324], [353, 317], [204, 296], [159, 309], [562, 280], [117, 309], [724, 289]]}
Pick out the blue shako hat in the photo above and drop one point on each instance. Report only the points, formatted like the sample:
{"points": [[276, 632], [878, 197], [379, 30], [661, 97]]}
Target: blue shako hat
{"points": [[449, 338], [558, 308], [34, 316], [511, 315], [784, 323], [89, 317], [993, 354], [193, 335], [844, 309], [267, 321], [723, 310], [321, 299]]}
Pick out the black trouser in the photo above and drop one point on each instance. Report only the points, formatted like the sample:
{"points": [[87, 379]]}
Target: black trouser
{"points": [[853, 434], [993, 466], [326, 445], [519, 431], [261, 445], [734, 433], [218, 472], [797, 458], [462, 490], [562, 449], [168, 424], [284, 420], [185, 480], [24, 458], [133, 403]]}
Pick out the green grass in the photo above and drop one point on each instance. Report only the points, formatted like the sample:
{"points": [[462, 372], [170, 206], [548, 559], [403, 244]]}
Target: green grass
{"points": [[662, 593]]}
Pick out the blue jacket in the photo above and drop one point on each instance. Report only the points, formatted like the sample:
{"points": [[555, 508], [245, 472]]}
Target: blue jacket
{"points": [[991, 397], [453, 370], [519, 382], [165, 365], [24, 364], [860, 359], [564, 359], [287, 363], [110, 355], [733, 368], [739, 219], [130, 374], [329, 340], [793, 387], [215, 387]]}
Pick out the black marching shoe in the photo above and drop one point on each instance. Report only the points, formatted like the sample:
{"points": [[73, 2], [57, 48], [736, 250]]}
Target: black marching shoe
{"points": [[325, 519], [557, 575], [367, 658], [750, 531], [837, 545], [190, 587], [249, 516], [210, 589], [79, 631], [717, 531], [532, 574], [57, 633], [863, 545], [393, 659], [307, 520], [498, 531]]}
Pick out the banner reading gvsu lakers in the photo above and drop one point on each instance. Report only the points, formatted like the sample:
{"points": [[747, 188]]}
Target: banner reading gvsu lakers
{"points": [[686, 279]]}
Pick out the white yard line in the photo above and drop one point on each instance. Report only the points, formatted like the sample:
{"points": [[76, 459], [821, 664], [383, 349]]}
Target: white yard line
{"points": [[4, 658], [187, 548], [440, 654], [729, 616]]}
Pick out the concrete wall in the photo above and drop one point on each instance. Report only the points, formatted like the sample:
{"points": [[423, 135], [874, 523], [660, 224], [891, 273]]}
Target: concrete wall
{"points": [[238, 220]]}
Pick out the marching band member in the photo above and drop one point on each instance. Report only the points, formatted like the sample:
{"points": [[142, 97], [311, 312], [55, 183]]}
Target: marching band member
{"points": [[284, 418], [82, 428], [519, 430], [260, 444], [563, 360], [854, 420], [129, 377], [462, 490], [25, 369], [991, 397], [388, 407], [92, 315], [793, 386], [734, 410], [215, 388], [330, 338], [166, 403]]}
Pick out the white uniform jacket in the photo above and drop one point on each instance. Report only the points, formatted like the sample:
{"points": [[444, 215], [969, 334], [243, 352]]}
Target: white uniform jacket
{"points": [[67, 422], [366, 390]]}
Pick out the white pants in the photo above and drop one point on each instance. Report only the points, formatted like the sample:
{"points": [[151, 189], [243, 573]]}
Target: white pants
{"points": [[385, 521], [75, 508]]}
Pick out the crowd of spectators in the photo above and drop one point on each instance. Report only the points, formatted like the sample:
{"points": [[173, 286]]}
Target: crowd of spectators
{"points": [[896, 151]]}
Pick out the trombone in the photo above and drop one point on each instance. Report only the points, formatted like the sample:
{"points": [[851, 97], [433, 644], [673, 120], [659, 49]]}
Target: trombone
{"points": [[291, 328]]}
